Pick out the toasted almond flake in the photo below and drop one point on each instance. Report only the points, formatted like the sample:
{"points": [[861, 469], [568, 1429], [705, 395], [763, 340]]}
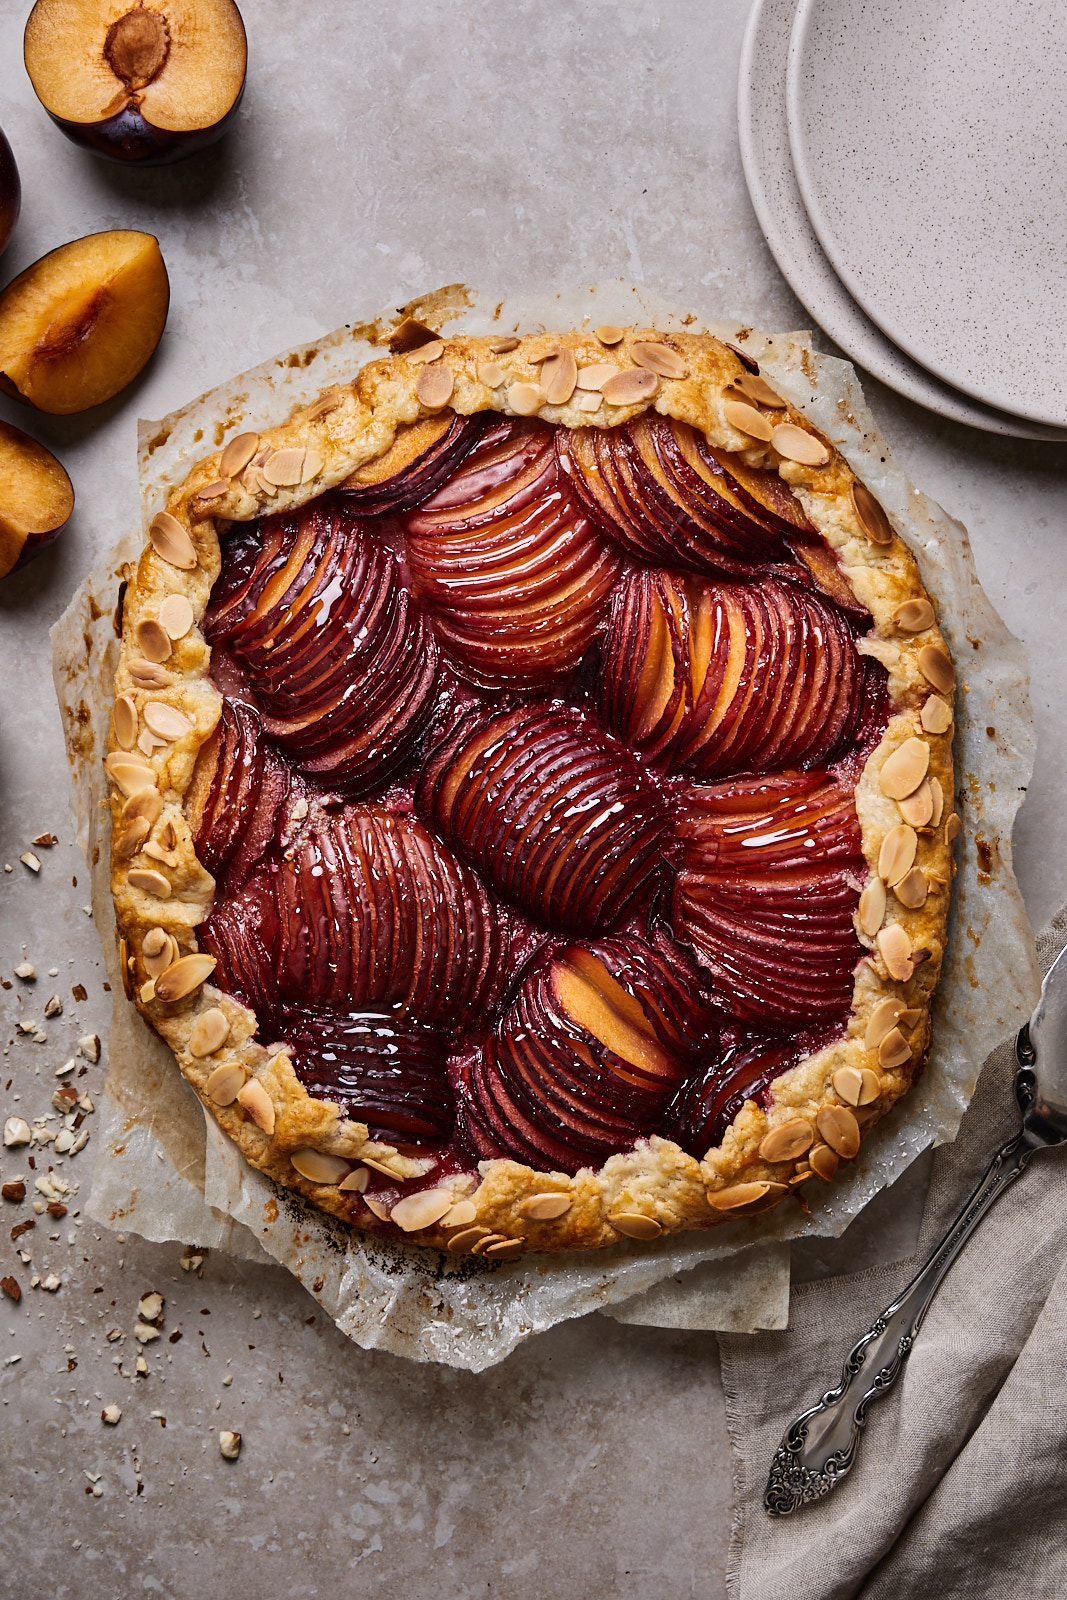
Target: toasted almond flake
{"points": [[383, 1167], [238, 453], [149, 674], [185, 975], [259, 1105], [153, 640], [377, 1208], [225, 1084], [149, 881], [840, 1129], [609, 334], [491, 373], [952, 828], [910, 1017], [229, 1444], [421, 1210], [426, 353], [918, 808], [319, 1167], [797, 444], [147, 992], [912, 616], [500, 347], [749, 363], [739, 1194], [747, 419], [124, 968], [848, 1085], [146, 803], [314, 461], [904, 770], [503, 1250], [356, 1182], [895, 949], [559, 374], [170, 540], [882, 1020], [629, 388], [482, 1245], [588, 402], [787, 1141], [758, 391], [125, 722], [894, 1049], [870, 515], [128, 840], [328, 402], [938, 795], [897, 855], [435, 384], [525, 398], [130, 772], [597, 374], [936, 668], [463, 1243], [148, 743], [635, 1225], [912, 889], [660, 359], [210, 492], [871, 908], [209, 1032], [823, 1162], [284, 468], [159, 853], [545, 1207], [461, 1215], [870, 1091], [936, 715], [167, 722]]}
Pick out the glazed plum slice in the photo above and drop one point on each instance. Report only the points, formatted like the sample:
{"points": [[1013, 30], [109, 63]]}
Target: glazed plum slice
{"points": [[242, 934], [743, 1068], [379, 1067], [506, 560], [421, 458], [372, 911], [770, 879], [714, 678], [558, 818], [238, 789], [343, 664]]}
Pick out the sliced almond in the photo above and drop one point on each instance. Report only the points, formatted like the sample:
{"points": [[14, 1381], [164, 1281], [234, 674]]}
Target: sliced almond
{"points": [[660, 359], [463, 1243], [787, 1141], [503, 1250], [936, 668], [149, 674], [356, 1182], [210, 492], [847, 1086], [609, 334], [158, 951], [238, 453], [747, 419], [146, 803], [739, 1195], [629, 388], [426, 353], [125, 722], [894, 946], [545, 1207], [597, 374], [409, 335], [167, 722], [176, 616], [491, 373], [483, 1244], [823, 1162], [910, 1017], [952, 828], [130, 838], [635, 1225], [148, 743], [917, 809], [758, 391], [284, 468], [912, 889], [185, 975], [169, 539], [869, 1093], [259, 1105], [225, 1084], [314, 461], [840, 1129], [797, 444], [871, 909], [209, 1032], [870, 515], [147, 992], [936, 715], [124, 968], [461, 1215], [588, 402], [153, 640], [149, 881], [912, 616], [881, 1021], [331, 401], [897, 855], [377, 1208], [905, 769], [159, 852], [500, 347], [435, 384], [559, 374], [130, 773], [318, 1167], [421, 1210], [525, 398], [894, 1049]]}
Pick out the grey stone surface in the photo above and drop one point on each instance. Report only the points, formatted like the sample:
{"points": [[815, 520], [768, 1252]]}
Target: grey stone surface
{"points": [[382, 152]]}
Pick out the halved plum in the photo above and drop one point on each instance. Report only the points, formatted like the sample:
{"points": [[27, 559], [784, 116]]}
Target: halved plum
{"points": [[36, 498]]}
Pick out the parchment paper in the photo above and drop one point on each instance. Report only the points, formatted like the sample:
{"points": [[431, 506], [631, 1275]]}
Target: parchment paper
{"points": [[166, 1172]]}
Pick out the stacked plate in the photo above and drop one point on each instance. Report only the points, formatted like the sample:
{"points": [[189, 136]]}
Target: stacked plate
{"points": [[905, 162]]}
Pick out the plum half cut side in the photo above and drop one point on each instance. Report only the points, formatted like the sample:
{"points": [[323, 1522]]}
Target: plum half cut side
{"points": [[36, 498], [149, 85]]}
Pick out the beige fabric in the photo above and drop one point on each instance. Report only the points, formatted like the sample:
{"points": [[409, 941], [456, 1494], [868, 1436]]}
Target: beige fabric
{"points": [[960, 1484]]}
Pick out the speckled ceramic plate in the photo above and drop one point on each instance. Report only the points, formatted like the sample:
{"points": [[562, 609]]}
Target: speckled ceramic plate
{"points": [[928, 147], [776, 199]]}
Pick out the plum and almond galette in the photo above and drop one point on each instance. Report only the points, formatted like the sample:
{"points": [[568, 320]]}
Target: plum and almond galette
{"points": [[532, 793]]}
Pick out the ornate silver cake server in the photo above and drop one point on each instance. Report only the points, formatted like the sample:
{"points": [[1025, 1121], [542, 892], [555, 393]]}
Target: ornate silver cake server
{"points": [[818, 1449]]}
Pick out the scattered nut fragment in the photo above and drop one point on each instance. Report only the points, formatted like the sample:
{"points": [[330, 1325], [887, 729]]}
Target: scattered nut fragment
{"points": [[153, 640], [237, 454], [912, 616], [740, 1195], [284, 468], [421, 1210], [894, 1049], [112, 1415], [149, 881], [225, 1084], [11, 1288], [125, 721], [170, 540], [870, 515], [917, 809], [936, 715], [184, 976], [660, 359], [525, 398], [16, 1131], [630, 387], [635, 1225], [259, 1105], [435, 384], [559, 374], [229, 1444], [545, 1207], [840, 1129], [13, 1191], [895, 949], [608, 334], [28, 859], [904, 770], [823, 1161], [787, 1141], [209, 1032], [758, 391], [952, 828], [936, 668], [318, 1167], [145, 1333], [747, 419], [26, 971], [871, 909], [797, 444], [897, 855], [912, 889], [51, 1283]]}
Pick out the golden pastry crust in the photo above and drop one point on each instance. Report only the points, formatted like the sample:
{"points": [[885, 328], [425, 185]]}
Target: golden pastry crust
{"points": [[820, 1108]]}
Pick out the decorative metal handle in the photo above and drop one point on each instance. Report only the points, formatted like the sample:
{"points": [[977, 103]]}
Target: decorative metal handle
{"points": [[818, 1449]]}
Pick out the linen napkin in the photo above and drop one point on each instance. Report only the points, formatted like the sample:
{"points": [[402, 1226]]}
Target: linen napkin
{"points": [[960, 1482]]}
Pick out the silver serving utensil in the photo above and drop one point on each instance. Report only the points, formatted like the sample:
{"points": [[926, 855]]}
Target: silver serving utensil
{"points": [[818, 1449]]}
